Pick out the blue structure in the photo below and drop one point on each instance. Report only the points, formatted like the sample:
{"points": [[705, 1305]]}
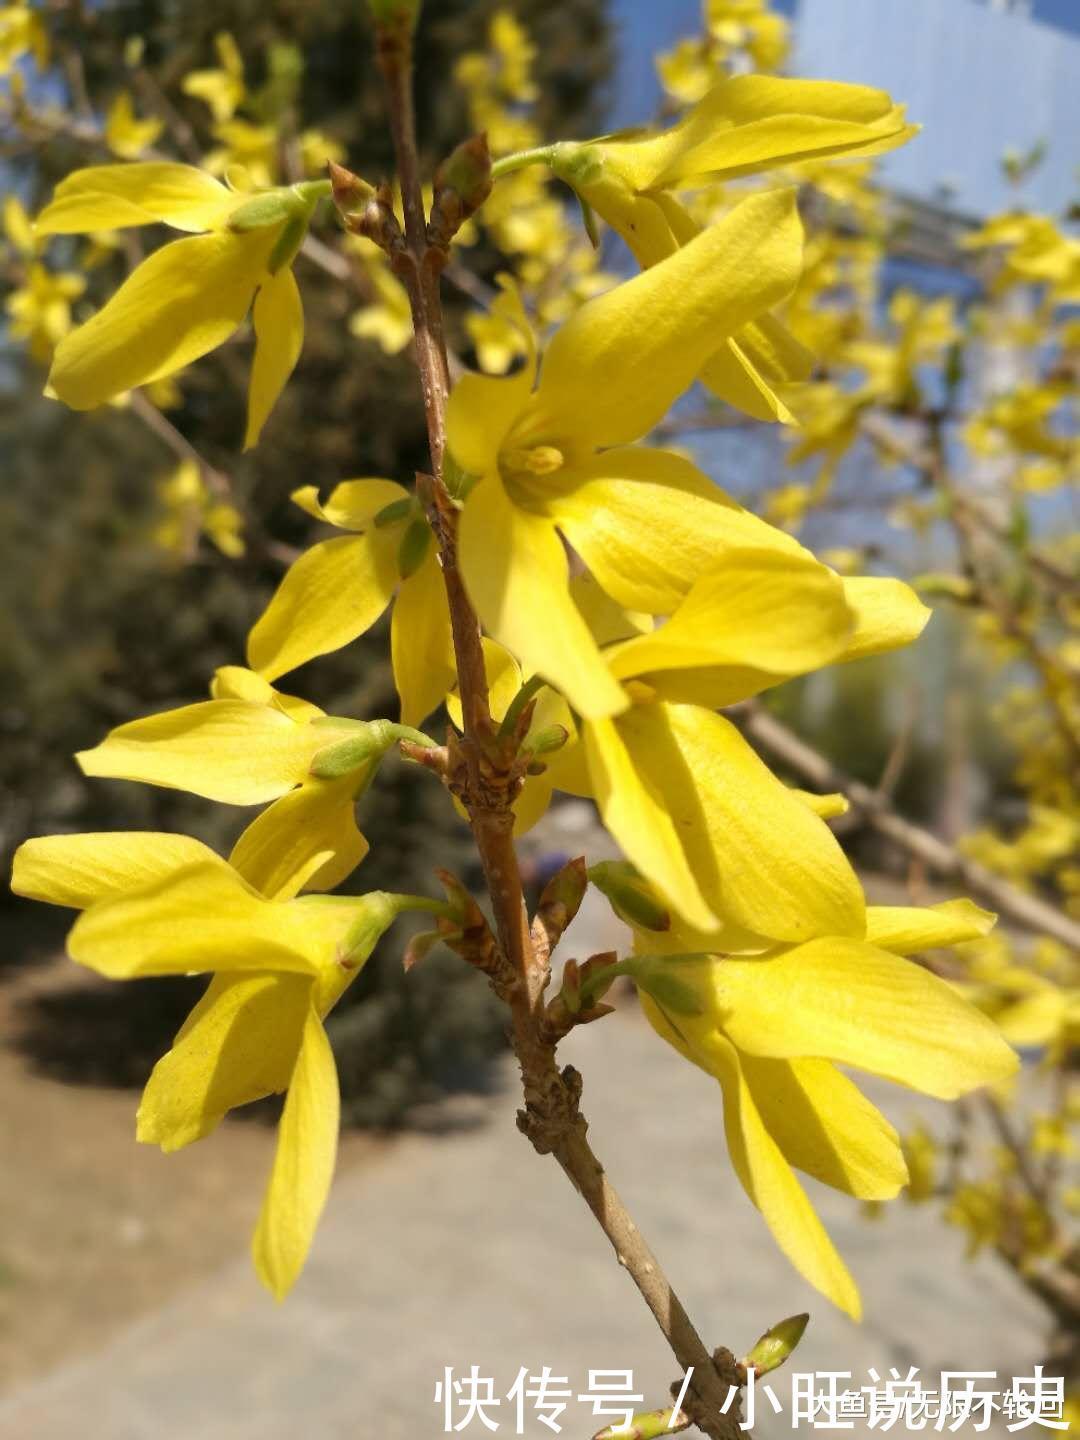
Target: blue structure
{"points": [[979, 77]]}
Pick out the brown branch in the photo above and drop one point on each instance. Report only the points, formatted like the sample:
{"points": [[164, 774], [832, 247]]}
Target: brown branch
{"points": [[483, 774], [1023, 909]]}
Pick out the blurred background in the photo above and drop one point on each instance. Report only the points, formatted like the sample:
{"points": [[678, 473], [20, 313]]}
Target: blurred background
{"points": [[137, 547]]}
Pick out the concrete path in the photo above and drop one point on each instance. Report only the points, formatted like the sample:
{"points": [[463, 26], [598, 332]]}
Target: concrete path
{"points": [[470, 1250]]}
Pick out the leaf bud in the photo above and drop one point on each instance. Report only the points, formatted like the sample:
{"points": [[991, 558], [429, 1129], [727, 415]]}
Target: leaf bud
{"points": [[776, 1345]]}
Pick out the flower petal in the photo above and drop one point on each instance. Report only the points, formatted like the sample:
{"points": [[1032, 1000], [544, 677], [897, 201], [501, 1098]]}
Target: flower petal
{"points": [[515, 570], [826, 1127], [846, 1000], [205, 918], [182, 302], [238, 1045], [649, 522], [278, 318], [332, 594], [735, 818], [634, 804], [353, 504], [233, 751], [907, 929], [307, 840], [303, 1165], [780, 609], [616, 367], [110, 197], [764, 1173], [888, 614], [421, 645], [78, 870]]}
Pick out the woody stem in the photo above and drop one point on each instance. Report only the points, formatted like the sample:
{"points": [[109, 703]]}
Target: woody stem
{"points": [[551, 1117]]}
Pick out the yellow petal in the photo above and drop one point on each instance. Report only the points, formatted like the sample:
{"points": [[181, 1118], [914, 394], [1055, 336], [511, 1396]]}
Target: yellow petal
{"points": [[353, 504], [332, 594], [110, 197], [515, 569], [239, 1044], [906, 929], [735, 818], [483, 408], [634, 804], [616, 367], [183, 301], [303, 1165], [421, 646], [278, 318], [206, 918], [307, 840], [236, 682], [756, 363], [887, 614], [78, 870], [826, 1127], [232, 751], [848, 1001], [766, 1176], [781, 610], [648, 523]]}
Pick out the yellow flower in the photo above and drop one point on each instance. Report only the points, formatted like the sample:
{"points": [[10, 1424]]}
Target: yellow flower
{"points": [[159, 904], [191, 295], [124, 134], [557, 458], [772, 1029], [339, 588], [387, 319], [22, 32], [223, 88], [40, 308], [744, 125], [251, 744], [190, 511]]}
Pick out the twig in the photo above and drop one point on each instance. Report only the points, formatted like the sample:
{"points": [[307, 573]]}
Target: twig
{"points": [[484, 781]]}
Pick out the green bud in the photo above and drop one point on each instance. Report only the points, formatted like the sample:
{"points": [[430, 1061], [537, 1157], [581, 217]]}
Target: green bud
{"points": [[776, 1344], [403, 13], [371, 742], [351, 193], [269, 208], [392, 513], [554, 737], [413, 548], [651, 1425], [462, 182], [631, 896]]}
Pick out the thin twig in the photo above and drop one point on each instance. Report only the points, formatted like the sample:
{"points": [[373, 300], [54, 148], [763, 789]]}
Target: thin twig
{"points": [[487, 787]]}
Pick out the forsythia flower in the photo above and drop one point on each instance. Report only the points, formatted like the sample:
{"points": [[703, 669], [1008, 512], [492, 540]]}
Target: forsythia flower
{"points": [[190, 511], [191, 295], [557, 458], [124, 134], [773, 1027], [223, 88], [744, 125], [160, 904], [22, 33], [339, 588], [251, 744]]}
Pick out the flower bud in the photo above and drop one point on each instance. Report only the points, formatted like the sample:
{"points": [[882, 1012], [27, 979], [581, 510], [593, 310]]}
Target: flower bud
{"points": [[776, 1345], [631, 896], [462, 184], [350, 192]]}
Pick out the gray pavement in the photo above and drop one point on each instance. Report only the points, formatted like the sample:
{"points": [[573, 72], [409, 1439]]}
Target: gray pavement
{"points": [[468, 1249]]}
